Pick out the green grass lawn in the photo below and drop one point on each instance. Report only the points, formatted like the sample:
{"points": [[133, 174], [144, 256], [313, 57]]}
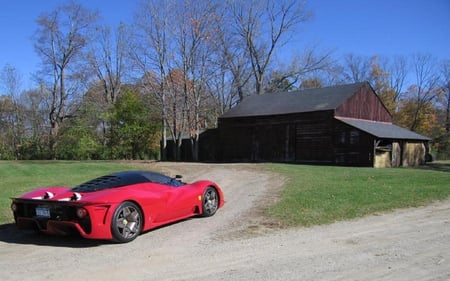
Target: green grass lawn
{"points": [[312, 195], [323, 194]]}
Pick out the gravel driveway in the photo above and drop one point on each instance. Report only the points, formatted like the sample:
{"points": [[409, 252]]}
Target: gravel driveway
{"points": [[237, 244]]}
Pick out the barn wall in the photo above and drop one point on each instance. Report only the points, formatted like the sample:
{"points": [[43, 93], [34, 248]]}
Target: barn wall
{"points": [[208, 145], [234, 142], [314, 139], [185, 150], [256, 139], [352, 147], [293, 139], [301, 138], [366, 105]]}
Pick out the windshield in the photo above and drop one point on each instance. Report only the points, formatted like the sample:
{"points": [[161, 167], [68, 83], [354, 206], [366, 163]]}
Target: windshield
{"points": [[125, 178]]}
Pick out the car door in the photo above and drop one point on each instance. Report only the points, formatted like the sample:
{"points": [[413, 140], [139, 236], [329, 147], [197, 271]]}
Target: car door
{"points": [[180, 202]]}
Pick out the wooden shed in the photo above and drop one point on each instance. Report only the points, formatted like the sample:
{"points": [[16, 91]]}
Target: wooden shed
{"points": [[339, 125]]}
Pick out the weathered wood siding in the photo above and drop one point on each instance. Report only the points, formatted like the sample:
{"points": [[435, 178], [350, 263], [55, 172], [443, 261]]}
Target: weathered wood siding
{"points": [[302, 138], [352, 146], [366, 105], [314, 138], [256, 139], [208, 145]]}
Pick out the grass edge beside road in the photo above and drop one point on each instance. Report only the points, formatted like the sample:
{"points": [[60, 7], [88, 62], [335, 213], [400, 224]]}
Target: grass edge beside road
{"points": [[316, 195]]}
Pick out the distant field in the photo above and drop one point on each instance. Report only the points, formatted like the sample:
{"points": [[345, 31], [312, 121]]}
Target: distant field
{"points": [[312, 195]]}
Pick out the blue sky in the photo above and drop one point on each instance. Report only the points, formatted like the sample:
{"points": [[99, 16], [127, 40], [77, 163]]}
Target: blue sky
{"points": [[361, 27], [383, 27]]}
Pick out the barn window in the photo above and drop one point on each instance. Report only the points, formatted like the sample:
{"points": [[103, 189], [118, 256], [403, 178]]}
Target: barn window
{"points": [[354, 137], [342, 138], [349, 137]]}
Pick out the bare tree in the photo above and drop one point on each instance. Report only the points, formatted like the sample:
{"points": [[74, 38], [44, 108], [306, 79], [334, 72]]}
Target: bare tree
{"points": [[398, 71], [12, 111], [388, 77], [305, 67], [35, 101], [151, 55], [445, 71], [356, 68], [193, 34], [226, 91], [176, 59], [234, 65], [60, 39], [107, 60], [264, 26], [425, 88]]}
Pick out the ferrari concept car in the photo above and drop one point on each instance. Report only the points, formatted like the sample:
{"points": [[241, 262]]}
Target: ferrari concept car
{"points": [[116, 207]]}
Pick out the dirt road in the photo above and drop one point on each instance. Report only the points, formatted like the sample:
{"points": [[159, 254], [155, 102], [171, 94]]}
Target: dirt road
{"points": [[412, 244]]}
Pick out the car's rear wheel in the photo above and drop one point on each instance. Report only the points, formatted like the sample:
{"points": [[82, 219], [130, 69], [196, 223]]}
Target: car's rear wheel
{"points": [[210, 202], [126, 222]]}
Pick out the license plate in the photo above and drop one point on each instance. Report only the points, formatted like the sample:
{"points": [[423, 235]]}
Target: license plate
{"points": [[43, 212]]}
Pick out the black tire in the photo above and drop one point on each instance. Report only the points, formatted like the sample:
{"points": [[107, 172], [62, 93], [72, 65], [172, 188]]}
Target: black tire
{"points": [[126, 222], [210, 202]]}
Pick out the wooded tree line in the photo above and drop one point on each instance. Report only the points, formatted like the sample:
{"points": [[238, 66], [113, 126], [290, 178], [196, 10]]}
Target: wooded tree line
{"points": [[122, 92]]}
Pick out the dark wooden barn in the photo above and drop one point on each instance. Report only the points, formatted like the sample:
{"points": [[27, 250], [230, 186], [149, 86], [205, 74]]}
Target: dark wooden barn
{"points": [[340, 125]]}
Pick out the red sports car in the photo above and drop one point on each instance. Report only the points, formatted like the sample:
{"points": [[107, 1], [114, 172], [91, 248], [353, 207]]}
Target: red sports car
{"points": [[116, 207]]}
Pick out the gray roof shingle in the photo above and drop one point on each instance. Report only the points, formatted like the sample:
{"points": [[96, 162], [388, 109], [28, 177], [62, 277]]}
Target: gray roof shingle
{"points": [[383, 130], [309, 100]]}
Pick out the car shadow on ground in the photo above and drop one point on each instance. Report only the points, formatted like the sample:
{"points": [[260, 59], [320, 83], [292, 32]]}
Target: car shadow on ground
{"points": [[10, 234]]}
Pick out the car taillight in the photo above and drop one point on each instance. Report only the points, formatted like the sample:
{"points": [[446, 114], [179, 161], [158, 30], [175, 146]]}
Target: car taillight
{"points": [[81, 213], [14, 207]]}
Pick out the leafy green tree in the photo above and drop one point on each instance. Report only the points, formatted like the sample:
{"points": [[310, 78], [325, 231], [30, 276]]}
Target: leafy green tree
{"points": [[78, 142], [133, 130]]}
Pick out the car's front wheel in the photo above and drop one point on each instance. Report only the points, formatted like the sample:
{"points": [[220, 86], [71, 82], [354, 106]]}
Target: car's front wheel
{"points": [[126, 222], [210, 202]]}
